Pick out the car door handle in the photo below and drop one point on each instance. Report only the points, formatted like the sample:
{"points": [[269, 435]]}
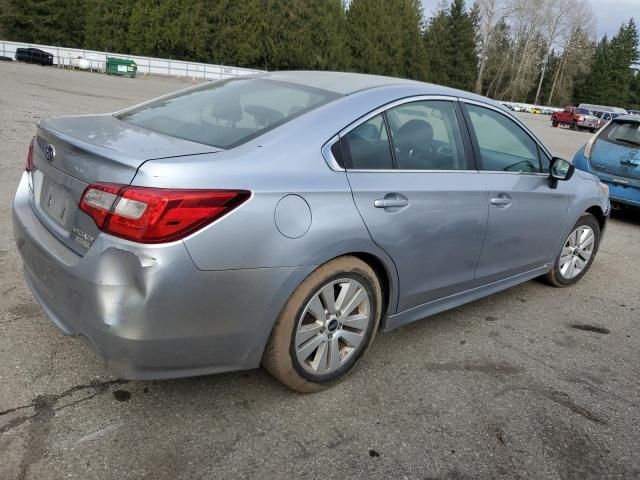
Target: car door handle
{"points": [[501, 200], [384, 203], [391, 200]]}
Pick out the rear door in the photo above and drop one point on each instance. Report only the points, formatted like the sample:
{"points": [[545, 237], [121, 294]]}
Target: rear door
{"points": [[414, 184], [526, 216]]}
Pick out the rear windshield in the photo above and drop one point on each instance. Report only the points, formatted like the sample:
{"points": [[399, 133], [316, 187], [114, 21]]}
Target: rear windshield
{"points": [[227, 113], [583, 111], [622, 133]]}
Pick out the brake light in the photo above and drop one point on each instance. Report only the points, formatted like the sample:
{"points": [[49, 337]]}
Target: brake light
{"points": [[156, 215], [29, 165]]}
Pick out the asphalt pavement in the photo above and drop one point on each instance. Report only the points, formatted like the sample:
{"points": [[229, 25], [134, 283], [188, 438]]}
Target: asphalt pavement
{"points": [[534, 382]]}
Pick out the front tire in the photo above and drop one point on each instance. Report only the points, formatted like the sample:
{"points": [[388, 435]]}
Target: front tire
{"points": [[325, 326], [554, 123], [577, 253]]}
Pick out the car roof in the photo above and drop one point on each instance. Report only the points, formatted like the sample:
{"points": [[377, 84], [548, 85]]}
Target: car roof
{"points": [[344, 83], [634, 117]]}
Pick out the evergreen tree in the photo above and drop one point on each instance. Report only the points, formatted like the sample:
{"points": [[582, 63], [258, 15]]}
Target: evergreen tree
{"points": [[624, 53], [304, 34], [234, 32], [611, 79], [634, 102], [51, 22], [383, 37], [461, 47], [107, 25], [436, 40]]}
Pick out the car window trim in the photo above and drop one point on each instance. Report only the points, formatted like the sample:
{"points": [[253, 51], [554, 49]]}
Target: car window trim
{"points": [[392, 148], [476, 147], [335, 165]]}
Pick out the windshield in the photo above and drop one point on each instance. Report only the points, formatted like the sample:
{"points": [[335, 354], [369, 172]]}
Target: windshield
{"points": [[227, 113], [623, 133]]}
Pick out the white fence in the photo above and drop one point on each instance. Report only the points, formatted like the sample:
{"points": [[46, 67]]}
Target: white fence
{"points": [[68, 58]]}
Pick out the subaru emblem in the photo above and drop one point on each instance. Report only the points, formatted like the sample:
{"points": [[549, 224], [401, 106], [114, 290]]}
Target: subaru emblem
{"points": [[49, 153]]}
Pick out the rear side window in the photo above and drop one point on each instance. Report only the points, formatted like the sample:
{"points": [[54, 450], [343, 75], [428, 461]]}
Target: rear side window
{"points": [[426, 136], [367, 147], [504, 145], [227, 113], [622, 133]]}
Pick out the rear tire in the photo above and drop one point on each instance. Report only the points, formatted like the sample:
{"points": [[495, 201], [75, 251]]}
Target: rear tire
{"points": [[342, 336], [577, 253], [554, 123], [574, 126]]}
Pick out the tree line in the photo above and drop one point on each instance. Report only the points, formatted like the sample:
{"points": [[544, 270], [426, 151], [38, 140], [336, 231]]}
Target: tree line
{"points": [[538, 51]]}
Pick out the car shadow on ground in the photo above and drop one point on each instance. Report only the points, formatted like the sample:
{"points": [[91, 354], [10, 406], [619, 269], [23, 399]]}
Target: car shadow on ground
{"points": [[628, 215]]}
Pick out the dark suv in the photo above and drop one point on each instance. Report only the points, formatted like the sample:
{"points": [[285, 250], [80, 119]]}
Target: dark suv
{"points": [[34, 55]]}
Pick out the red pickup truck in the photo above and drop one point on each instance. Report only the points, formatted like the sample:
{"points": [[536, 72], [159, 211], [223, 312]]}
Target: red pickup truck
{"points": [[576, 118]]}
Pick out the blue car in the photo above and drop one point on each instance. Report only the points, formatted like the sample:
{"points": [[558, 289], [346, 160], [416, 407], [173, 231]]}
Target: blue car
{"points": [[613, 155]]}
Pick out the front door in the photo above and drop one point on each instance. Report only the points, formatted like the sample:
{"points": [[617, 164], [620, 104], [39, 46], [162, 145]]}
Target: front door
{"points": [[419, 197], [526, 216]]}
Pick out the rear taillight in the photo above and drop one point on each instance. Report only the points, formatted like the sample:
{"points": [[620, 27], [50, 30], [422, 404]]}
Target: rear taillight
{"points": [[156, 215], [29, 166]]}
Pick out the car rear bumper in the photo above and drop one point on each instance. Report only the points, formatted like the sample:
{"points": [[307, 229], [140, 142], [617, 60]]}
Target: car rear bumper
{"points": [[147, 310]]}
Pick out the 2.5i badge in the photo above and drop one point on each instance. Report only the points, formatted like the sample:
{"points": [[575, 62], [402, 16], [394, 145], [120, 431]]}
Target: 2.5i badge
{"points": [[82, 238]]}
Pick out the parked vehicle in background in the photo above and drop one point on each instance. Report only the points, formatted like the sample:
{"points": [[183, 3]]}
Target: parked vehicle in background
{"points": [[283, 218], [603, 108], [605, 117], [634, 112], [576, 119], [535, 110], [613, 155], [34, 55], [509, 106]]}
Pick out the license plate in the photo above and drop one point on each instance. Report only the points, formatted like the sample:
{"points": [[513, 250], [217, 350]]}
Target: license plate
{"points": [[57, 202]]}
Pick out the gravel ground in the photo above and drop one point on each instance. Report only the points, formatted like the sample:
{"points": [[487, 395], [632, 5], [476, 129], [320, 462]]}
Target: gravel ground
{"points": [[504, 387]]}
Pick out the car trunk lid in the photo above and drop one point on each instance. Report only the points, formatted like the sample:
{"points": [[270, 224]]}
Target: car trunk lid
{"points": [[72, 152]]}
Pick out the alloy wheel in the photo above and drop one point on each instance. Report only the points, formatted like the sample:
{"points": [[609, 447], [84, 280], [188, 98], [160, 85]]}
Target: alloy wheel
{"points": [[577, 252], [332, 326]]}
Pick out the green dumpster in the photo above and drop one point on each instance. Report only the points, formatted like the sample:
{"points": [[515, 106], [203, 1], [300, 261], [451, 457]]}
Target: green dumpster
{"points": [[122, 67]]}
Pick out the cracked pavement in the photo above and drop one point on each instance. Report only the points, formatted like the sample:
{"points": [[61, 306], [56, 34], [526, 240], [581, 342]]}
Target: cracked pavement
{"points": [[508, 387]]}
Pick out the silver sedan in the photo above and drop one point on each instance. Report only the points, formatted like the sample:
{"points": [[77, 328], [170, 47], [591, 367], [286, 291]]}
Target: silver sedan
{"points": [[282, 219]]}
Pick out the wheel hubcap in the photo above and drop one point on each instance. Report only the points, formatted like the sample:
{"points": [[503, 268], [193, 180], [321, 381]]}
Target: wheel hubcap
{"points": [[332, 326], [576, 252]]}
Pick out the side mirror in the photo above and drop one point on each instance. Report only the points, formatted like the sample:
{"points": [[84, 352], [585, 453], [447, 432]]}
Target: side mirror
{"points": [[559, 170]]}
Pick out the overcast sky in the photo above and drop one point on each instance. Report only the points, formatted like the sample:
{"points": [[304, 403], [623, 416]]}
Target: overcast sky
{"points": [[609, 13]]}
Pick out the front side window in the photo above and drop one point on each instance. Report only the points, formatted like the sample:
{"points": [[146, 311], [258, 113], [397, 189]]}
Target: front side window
{"points": [[504, 145], [227, 113], [367, 147], [425, 136]]}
